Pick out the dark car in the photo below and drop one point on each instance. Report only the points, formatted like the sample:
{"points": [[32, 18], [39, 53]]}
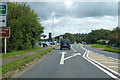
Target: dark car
{"points": [[65, 43]]}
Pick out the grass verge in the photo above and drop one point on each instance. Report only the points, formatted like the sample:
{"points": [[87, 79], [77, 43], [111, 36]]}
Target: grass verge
{"points": [[112, 50], [16, 53], [21, 62], [105, 48], [98, 46]]}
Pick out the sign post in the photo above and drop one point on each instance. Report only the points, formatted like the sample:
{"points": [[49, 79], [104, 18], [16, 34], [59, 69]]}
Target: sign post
{"points": [[4, 31], [5, 45]]}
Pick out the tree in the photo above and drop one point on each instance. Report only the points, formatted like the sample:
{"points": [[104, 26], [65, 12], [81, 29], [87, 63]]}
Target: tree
{"points": [[69, 36], [95, 35], [24, 25], [115, 36]]}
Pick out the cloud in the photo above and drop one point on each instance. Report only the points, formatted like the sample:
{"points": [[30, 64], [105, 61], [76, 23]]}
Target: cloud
{"points": [[76, 17], [76, 9], [80, 25]]}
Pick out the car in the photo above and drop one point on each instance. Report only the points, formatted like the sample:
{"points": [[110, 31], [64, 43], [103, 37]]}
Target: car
{"points": [[44, 43], [65, 43]]}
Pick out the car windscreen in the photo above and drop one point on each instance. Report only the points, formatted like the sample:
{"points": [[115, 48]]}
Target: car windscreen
{"points": [[67, 41]]}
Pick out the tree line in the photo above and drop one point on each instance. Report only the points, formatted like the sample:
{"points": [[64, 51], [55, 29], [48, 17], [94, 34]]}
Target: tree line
{"points": [[96, 36], [25, 28]]}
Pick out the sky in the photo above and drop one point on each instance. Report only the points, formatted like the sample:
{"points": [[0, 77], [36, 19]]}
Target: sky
{"points": [[76, 17]]}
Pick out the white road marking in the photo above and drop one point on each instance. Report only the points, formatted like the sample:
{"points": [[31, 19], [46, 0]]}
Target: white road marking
{"points": [[72, 56], [85, 53], [109, 62], [73, 49], [113, 58], [110, 74], [92, 62], [114, 66], [83, 47], [62, 58]]}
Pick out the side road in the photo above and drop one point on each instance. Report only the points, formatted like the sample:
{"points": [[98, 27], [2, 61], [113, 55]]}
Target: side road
{"points": [[11, 59]]}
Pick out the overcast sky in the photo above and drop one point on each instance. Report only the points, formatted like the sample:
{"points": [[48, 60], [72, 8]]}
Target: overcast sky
{"points": [[76, 17]]}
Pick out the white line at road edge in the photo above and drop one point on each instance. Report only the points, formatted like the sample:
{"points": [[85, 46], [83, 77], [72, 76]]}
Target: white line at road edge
{"points": [[73, 49], [85, 56]]}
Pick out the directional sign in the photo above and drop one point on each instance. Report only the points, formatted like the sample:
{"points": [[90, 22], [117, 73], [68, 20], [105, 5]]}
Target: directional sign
{"points": [[3, 21], [4, 32], [3, 9]]}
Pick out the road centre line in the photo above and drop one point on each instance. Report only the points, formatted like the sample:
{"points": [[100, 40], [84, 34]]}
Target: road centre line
{"points": [[104, 70], [73, 49]]}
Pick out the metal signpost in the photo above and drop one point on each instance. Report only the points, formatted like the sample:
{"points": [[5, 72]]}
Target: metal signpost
{"points": [[4, 30]]}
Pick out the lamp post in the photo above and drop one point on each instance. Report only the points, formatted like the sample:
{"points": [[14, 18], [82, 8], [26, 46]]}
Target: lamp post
{"points": [[53, 16]]}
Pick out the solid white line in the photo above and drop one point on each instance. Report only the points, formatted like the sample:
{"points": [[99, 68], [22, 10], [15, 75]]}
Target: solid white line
{"points": [[73, 49], [85, 53], [62, 58], [110, 74]]}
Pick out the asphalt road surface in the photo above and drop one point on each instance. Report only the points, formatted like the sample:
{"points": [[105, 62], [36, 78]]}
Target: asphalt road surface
{"points": [[75, 66], [106, 53]]}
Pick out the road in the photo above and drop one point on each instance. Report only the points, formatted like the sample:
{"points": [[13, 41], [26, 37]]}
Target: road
{"points": [[75, 66], [106, 53]]}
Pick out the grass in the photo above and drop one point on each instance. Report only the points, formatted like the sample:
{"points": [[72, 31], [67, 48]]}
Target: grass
{"points": [[98, 46], [21, 62], [112, 50], [16, 53], [105, 48]]}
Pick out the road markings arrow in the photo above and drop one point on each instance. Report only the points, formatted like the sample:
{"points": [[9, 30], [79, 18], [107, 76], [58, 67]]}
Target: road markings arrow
{"points": [[72, 56], [62, 58]]}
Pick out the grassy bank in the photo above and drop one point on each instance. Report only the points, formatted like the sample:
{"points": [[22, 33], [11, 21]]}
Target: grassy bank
{"points": [[16, 53], [21, 62], [105, 48]]}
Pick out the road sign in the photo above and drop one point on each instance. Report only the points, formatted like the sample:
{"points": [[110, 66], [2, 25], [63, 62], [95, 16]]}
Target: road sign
{"points": [[3, 9], [4, 32], [2, 21]]}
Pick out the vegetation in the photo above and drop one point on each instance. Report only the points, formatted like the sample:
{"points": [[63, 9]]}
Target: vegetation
{"points": [[98, 46], [21, 62], [16, 53], [25, 28], [100, 36], [105, 48], [112, 50]]}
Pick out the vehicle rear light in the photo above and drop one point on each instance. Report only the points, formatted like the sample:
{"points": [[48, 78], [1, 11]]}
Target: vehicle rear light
{"points": [[69, 44]]}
